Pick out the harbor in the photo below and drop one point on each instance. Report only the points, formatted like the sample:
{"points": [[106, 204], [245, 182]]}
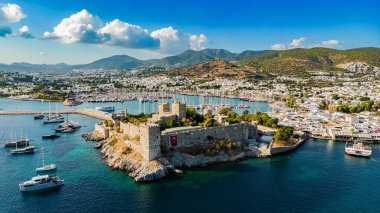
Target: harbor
{"points": [[88, 179], [78, 163]]}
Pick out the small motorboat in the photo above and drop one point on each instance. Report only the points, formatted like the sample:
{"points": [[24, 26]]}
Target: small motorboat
{"points": [[39, 116], [51, 136], [65, 130]]}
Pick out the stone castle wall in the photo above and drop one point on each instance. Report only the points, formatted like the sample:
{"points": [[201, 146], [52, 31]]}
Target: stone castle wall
{"points": [[102, 131], [188, 138], [149, 139]]}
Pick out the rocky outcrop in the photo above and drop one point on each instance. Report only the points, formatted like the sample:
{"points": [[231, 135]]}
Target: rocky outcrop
{"points": [[139, 170], [90, 136], [181, 160]]}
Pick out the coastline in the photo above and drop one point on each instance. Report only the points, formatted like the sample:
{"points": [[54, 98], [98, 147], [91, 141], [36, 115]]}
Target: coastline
{"points": [[146, 171]]}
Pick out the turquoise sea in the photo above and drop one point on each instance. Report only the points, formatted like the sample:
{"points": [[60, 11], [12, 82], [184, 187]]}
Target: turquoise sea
{"points": [[317, 177]]}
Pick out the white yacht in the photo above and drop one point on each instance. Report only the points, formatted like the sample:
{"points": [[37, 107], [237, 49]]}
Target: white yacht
{"points": [[70, 124], [54, 119], [358, 149], [40, 183], [105, 108], [25, 150], [44, 167]]}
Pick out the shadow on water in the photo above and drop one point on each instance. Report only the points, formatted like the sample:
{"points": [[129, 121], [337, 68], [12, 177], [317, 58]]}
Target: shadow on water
{"points": [[42, 193]]}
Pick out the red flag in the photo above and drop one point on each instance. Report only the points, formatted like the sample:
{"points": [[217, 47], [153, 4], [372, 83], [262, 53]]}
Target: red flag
{"points": [[173, 140]]}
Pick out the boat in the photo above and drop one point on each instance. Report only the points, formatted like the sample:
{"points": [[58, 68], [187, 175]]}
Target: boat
{"points": [[54, 119], [105, 108], [358, 149], [25, 150], [44, 167], [70, 124], [41, 182], [22, 142], [51, 136], [57, 118], [39, 116], [65, 129]]}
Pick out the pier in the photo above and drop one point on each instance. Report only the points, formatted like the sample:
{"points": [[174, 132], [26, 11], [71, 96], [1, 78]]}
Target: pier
{"points": [[85, 111]]}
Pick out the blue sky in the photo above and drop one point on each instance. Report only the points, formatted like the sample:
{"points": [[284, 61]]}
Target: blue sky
{"points": [[152, 29]]}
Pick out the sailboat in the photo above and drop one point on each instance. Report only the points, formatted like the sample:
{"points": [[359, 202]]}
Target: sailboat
{"points": [[54, 118], [44, 167], [26, 150]]}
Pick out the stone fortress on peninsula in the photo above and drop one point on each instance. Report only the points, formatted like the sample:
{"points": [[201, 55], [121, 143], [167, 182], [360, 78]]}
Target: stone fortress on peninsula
{"points": [[153, 142]]}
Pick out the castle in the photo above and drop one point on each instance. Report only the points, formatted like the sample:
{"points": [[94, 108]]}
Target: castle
{"points": [[151, 142]]}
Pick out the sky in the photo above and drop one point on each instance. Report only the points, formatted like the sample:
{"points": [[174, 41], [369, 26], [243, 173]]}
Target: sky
{"points": [[81, 31]]}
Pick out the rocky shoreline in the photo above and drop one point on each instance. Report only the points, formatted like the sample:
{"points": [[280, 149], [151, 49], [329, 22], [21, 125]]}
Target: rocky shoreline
{"points": [[143, 171]]}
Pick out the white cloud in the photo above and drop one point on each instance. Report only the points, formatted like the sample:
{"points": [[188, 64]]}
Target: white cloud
{"points": [[79, 27], [42, 53], [128, 35], [10, 13], [84, 27], [24, 32], [330, 43], [198, 42], [170, 40], [173, 41], [278, 47], [297, 43], [24, 29]]}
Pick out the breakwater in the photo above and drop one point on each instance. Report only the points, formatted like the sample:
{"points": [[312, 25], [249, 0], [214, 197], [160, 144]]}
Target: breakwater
{"points": [[88, 112]]}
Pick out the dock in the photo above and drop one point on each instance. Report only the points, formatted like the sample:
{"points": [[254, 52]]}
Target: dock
{"points": [[85, 111]]}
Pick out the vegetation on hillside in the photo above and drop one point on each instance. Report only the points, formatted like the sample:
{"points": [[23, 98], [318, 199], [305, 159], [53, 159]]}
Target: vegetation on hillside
{"points": [[301, 62], [136, 119]]}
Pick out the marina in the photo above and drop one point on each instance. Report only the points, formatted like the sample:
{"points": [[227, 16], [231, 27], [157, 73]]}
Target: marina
{"points": [[79, 162]]}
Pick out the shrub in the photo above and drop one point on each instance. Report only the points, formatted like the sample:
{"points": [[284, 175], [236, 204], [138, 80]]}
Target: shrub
{"points": [[113, 142], [127, 150], [283, 134]]}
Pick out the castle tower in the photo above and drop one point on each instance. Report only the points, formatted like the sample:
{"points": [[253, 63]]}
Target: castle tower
{"points": [[163, 108], [150, 141], [179, 109]]}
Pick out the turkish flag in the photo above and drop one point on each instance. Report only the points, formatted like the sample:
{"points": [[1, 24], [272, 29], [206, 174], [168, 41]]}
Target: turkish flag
{"points": [[173, 140]]}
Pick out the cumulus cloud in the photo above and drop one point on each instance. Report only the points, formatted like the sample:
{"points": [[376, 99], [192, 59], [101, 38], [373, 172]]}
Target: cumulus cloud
{"points": [[24, 32], [11, 13], [5, 31], [297, 43], [300, 43], [128, 35], [170, 39], [84, 27], [278, 47], [198, 42], [79, 27], [173, 41]]}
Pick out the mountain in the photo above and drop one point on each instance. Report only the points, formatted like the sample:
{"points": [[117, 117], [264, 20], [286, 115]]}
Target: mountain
{"points": [[193, 57], [293, 61], [114, 62], [250, 54], [17, 67], [215, 68], [301, 61]]}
